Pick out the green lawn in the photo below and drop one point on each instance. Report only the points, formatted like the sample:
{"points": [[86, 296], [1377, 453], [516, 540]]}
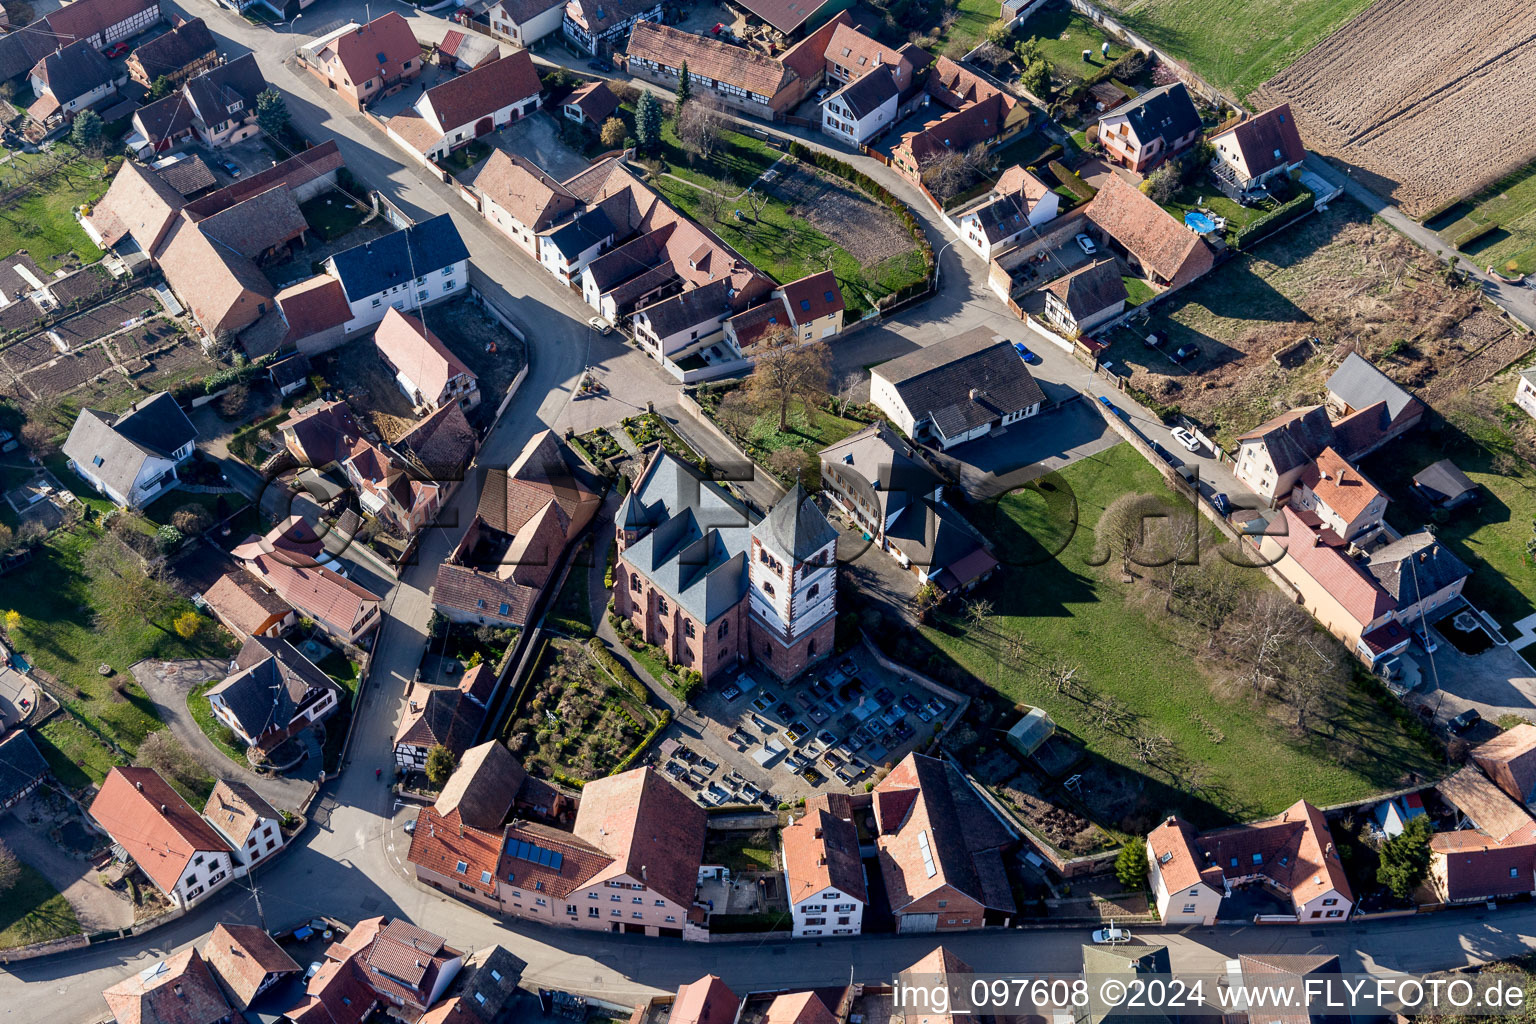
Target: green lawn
{"points": [[1236, 45], [331, 214], [1489, 537], [161, 510], [972, 19], [43, 221], [1083, 616], [811, 428], [59, 634], [33, 911], [742, 849], [572, 612], [1204, 194], [1022, 151], [737, 160], [1137, 291], [216, 731], [1511, 204], [785, 248], [1061, 35]]}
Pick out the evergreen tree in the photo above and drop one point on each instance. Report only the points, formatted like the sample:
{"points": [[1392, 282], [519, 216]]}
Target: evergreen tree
{"points": [[684, 86], [86, 133], [1131, 866], [272, 113], [648, 122], [1405, 857]]}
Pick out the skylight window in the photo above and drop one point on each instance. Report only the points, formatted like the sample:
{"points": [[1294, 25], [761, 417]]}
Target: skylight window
{"points": [[922, 846]]}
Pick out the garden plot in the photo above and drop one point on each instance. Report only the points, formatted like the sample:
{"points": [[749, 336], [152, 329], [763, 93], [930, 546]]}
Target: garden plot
{"points": [[107, 318], [1411, 94], [868, 231], [29, 353], [68, 372], [576, 723], [357, 372], [1337, 276]]}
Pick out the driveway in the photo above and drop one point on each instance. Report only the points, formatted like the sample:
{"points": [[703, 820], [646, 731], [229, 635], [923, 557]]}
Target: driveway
{"points": [[1497, 682], [97, 908], [1017, 454], [537, 138], [167, 683]]}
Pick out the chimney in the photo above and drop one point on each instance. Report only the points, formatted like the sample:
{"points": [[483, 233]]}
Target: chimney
{"points": [[162, 808], [180, 993], [1341, 477], [139, 786], [818, 832], [642, 873]]}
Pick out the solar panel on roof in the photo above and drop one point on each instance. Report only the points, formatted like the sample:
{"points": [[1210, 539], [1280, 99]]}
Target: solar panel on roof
{"points": [[535, 854]]}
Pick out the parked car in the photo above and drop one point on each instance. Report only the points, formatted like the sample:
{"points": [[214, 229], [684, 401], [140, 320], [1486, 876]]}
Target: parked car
{"points": [[230, 168], [1425, 640], [600, 325], [1111, 936], [1187, 439], [1220, 503], [410, 827], [1025, 354], [597, 65], [115, 51], [1156, 339], [1086, 244], [1185, 353], [1466, 720]]}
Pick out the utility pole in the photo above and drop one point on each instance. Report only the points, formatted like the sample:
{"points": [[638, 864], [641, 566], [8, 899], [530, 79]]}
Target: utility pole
{"points": [[256, 895]]}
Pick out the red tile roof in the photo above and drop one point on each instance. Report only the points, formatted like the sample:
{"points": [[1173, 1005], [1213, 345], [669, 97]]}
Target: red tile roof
{"points": [[1340, 486], [295, 172], [316, 591], [418, 354], [313, 305], [442, 842], [821, 851], [379, 48], [1319, 554], [580, 861], [534, 198], [724, 62], [806, 57], [86, 18], [813, 297], [652, 829], [242, 955], [595, 100], [150, 820], [243, 604], [1509, 759], [1162, 244], [177, 990], [1265, 140], [798, 1008], [706, 1001], [479, 93]]}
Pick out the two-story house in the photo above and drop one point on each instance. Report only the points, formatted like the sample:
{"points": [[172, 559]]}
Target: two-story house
{"points": [[1085, 298], [364, 63], [956, 390], [823, 875], [132, 457], [179, 988], [184, 52], [1525, 392], [160, 832], [1154, 126], [246, 961], [523, 22], [519, 199], [453, 114], [1255, 151], [251, 826], [1018, 202], [272, 692], [600, 27], [1343, 498], [71, 79], [295, 573], [222, 101], [405, 269], [426, 371]]}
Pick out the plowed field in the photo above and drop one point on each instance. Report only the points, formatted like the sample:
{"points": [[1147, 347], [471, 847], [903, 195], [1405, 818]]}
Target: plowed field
{"points": [[1426, 99]]}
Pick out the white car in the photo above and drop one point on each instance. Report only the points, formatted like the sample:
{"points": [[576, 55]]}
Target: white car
{"points": [[1086, 244], [314, 969], [1111, 936], [600, 325], [1189, 441]]}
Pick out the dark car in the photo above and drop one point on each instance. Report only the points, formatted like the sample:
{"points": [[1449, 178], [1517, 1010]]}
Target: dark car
{"points": [[1185, 353], [1156, 339], [1220, 503], [1025, 354], [597, 65], [230, 168], [116, 50], [1466, 720]]}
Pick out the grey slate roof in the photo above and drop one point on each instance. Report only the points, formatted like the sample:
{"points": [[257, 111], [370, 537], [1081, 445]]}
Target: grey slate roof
{"points": [[20, 763], [933, 535], [1167, 113], [382, 263], [169, 52], [1360, 384], [1444, 481], [271, 678], [696, 537], [1090, 289], [188, 176], [74, 70], [708, 302], [938, 382], [156, 426], [866, 95], [1294, 438], [879, 456], [213, 91], [1415, 566], [795, 529], [582, 233]]}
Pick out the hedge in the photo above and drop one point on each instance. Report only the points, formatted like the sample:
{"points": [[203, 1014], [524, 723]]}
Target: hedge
{"points": [[1052, 152], [617, 669], [663, 719], [1466, 238], [1111, 70], [1275, 219], [832, 165], [1072, 182]]}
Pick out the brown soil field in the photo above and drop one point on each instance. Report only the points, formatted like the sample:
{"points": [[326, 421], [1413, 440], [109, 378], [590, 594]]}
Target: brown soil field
{"points": [[1338, 276], [1420, 97], [869, 231]]}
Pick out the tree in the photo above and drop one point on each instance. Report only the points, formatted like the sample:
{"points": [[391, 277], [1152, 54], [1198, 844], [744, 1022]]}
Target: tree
{"points": [[12, 621], [272, 113], [977, 613], [168, 537], [787, 370], [1131, 866], [39, 431], [192, 519], [756, 200], [86, 134], [160, 88], [440, 764], [735, 413], [10, 869], [128, 593], [698, 128], [165, 754], [648, 122], [711, 203], [684, 87], [1405, 857], [1163, 184], [232, 403], [1264, 637], [8, 538], [1036, 77], [1122, 527], [998, 33], [187, 624], [796, 464], [612, 133]]}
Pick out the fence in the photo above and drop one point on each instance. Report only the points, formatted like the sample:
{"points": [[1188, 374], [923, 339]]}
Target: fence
{"points": [[390, 211]]}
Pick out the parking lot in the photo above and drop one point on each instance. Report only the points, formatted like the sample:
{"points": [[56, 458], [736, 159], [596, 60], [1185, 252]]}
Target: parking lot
{"points": [[828, 732]]}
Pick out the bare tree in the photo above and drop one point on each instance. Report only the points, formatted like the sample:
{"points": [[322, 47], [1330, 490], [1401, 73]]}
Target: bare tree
{"points": [[787, 370], [736, 414], [1150, 746], [824, 256], [1060, 676], [698, 127], [40, 432], [134, 593], [1263, 638], [977, 613], [711, 203], [1121, 528], [756, 200], [10, 869], [1172, 546], [797, 464], [946, 174], [1109, 712]]}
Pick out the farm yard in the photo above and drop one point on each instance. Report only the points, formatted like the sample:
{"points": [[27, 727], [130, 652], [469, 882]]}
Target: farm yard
{"points": [[1235, 44], [1410, 96], [1337, 276], [1149, 695]]}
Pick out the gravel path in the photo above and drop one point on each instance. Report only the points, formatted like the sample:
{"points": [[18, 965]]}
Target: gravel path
{"points": [[97, 908]]}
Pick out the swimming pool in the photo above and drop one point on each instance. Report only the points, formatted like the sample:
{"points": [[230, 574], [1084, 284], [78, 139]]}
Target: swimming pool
{"points": [[1200, 222]]}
